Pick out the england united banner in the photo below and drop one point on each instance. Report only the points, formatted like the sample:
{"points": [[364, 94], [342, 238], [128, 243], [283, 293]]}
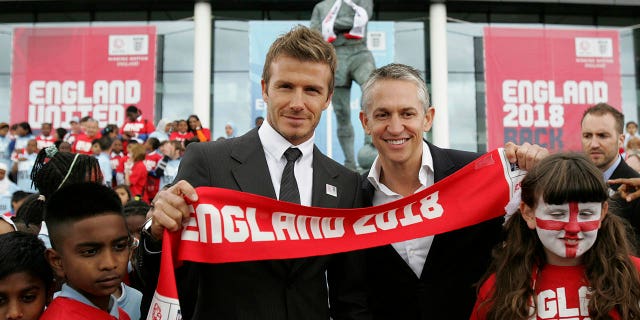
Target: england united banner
{"points": [[231, 226], [540, 81], [61, 73]]}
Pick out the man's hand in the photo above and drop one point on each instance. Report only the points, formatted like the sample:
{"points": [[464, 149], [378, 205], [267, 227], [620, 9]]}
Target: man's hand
{"points": [[629, 188], [525, 155], [169, 208]]}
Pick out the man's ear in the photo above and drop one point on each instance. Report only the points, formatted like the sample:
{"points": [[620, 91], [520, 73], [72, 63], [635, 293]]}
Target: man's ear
{"points": [[428, 119], [365, 121], [529, 215], [265, 90], [55, 261]]}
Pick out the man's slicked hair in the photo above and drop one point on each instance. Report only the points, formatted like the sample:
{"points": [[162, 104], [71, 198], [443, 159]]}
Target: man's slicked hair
{"points": [[303, 44], [601, 109]]}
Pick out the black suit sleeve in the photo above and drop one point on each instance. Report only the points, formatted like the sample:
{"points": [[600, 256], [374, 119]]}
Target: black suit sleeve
{"points": [[193, 170]]}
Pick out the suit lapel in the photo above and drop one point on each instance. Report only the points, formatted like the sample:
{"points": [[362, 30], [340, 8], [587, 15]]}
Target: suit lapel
{"points": [[252, 173], [252, 176], [442, 164], [623, 170], [324, 180]]}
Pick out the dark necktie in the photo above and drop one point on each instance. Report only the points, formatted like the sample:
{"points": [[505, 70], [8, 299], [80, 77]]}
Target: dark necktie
{"points": [[288, 185]]}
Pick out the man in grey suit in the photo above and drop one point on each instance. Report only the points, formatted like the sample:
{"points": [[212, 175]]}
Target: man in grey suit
{"points": [[297, 85]]}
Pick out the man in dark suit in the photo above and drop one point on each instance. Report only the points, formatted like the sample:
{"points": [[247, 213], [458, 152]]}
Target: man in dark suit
{"points": [[602, 138], [297, 86], [431, 277]]}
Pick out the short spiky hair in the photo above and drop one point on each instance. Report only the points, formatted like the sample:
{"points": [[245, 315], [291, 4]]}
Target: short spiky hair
{"points": [[303, 44], [396, 71], [76, 202], [24, 252], [136, 208]]}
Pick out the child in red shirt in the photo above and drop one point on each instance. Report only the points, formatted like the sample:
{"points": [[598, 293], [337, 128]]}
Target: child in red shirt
{"points": [[136, 177], [90, 250], [564, 257], [183, 132]]}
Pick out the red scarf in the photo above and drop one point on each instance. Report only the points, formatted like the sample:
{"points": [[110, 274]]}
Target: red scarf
{"points": [[231, 226]]}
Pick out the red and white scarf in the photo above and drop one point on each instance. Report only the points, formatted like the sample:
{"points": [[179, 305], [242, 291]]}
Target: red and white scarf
{"points": [[231, 226], [360, 20]]}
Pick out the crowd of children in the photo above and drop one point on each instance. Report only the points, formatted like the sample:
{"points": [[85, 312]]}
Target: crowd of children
{"points": [[138, 156], [109, 174]]}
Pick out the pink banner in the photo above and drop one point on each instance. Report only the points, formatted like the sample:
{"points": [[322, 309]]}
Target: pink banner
{"points": [[540, 81], [60, 73], [231, 226]]}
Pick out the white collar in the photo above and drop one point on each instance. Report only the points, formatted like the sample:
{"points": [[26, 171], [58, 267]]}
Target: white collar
{"points": [[427, 164], [276, 145]]}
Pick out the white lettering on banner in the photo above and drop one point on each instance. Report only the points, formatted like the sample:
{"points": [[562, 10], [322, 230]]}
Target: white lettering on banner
{"points": [[207, 224], [534, 109], [58, 101], [537, 103], [552, 304], [543, 91], [429, 209]]}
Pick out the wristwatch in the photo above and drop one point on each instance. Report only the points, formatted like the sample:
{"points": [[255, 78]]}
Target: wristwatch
{"points": [[149, 242]]}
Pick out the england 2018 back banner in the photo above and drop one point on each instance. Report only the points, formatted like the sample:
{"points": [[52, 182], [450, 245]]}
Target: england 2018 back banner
{"points": [[61, 73], [540, 81]]}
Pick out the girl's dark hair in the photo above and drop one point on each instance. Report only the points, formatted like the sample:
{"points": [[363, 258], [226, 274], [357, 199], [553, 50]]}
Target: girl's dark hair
{"points": [[25, 125], [104, 142], [154, 143], [612, 276], [109, 129], [125, 188], [31, 212], [19, 195], [193, 130], [24, 252], [51, 171], [136, 208], [61, 132]]}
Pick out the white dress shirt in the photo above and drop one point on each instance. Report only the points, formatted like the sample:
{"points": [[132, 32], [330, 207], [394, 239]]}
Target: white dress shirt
{"points": [[414, 252], [609, 172], [274, 146]]}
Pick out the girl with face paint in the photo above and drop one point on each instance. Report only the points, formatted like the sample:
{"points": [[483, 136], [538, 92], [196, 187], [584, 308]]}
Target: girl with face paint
{"points": [[564, 256]]}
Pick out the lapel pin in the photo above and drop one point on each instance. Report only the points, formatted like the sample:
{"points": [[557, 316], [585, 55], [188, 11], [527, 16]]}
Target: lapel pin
{"points": [[332, 190]]}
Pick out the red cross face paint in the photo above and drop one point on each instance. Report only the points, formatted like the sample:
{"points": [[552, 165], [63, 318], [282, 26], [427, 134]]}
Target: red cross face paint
{"points": [[567, 231]]}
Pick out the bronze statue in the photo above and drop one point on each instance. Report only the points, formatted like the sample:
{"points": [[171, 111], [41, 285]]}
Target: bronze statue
{"points": [[343, 23]]}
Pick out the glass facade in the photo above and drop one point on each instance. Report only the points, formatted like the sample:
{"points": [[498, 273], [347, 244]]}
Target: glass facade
{"points": [[231, 99]]}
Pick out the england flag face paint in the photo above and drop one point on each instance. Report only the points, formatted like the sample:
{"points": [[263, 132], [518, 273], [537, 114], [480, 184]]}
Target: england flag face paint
{"points": [[568, 230]]}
